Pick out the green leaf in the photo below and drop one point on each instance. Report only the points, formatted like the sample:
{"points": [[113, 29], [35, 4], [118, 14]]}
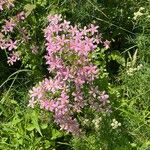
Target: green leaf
{"points": [[44, 126], [34, 118], [16, 120], [115, 55], [48, 144], [13, 102], [41, 2], [56, 134], [30, 127], [29, 8]]}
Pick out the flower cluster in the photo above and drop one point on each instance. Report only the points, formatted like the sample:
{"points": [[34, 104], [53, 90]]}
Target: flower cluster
{"points": [[132, 70], [6, 43], [10, 46], [72, 87], [13, 57], [115, 124], [96, 122]]}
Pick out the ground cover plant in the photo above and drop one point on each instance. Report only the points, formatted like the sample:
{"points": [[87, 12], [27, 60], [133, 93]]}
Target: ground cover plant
{"points": [[75, 75]]}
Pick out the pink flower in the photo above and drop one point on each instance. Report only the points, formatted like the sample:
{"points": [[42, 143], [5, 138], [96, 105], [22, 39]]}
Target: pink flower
{"points": [[61, 40], [79, 101], [93, 29], [68, 123], [68, 50], [9, 26], [64, 98], [107, 44], [36, 92], [54, 63], [54, 19], [52, 85], [21, 16], [45, 104], [73, 30], [11, 45], [13, 57], [79, 81], [32, 102], [94, 91], [64, 74], [104, 98], [85, 30], [65, 25], [34, 49]]}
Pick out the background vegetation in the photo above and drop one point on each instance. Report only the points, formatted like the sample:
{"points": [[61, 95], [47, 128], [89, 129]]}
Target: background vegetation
{"points": [[125, 75]]}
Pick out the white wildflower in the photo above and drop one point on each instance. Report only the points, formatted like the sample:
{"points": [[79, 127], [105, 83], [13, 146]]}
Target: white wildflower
{"points": [[96, 122], [115, 124]]}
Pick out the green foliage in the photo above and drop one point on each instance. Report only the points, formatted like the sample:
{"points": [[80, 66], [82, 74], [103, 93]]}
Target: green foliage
{"points": [[25, 128], [125, 75]]}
